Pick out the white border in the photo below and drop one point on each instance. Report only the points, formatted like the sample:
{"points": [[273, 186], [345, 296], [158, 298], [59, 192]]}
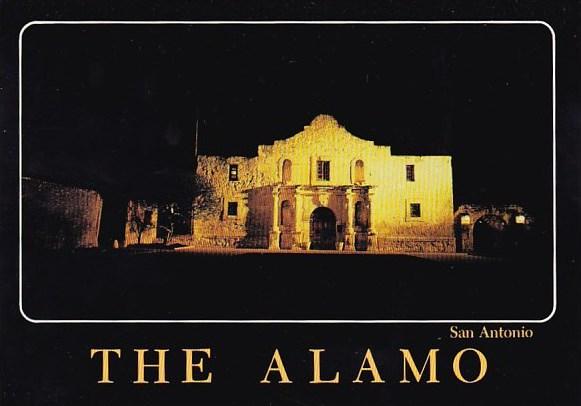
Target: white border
{"points": [[544, 320]]}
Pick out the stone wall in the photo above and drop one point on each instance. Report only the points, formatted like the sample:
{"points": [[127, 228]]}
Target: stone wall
{"points": [[59, 217], [354, 162], [431, 245], [504, 215]]}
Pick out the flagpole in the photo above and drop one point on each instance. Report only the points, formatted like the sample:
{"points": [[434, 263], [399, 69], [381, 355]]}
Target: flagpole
{"points": [[196, 136], [195, 165]]}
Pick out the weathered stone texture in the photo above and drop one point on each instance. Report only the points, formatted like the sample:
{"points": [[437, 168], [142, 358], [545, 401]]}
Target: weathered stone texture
{"points": [[362, 175], [416, 244], [59, 217], [501, 217]]}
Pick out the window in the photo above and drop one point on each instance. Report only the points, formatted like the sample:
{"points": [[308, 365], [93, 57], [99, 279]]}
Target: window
{"points": [[285, 213], [415, 210], [323, 170], [359, 172], [233, 172], [232, 209], [286, 171], [465, 219], [410, 173]]}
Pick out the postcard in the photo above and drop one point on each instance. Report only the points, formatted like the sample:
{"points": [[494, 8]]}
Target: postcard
{"points": [[320, 211]]}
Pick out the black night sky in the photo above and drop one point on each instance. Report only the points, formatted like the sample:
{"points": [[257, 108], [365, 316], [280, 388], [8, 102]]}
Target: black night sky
{"points": [[114, 106]]}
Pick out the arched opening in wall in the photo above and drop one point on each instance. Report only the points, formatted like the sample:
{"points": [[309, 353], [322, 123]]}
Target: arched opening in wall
{"points": [[488, 235], [361, 223], [286, 221], [287, 168], [285, 213], [361, 217], [518, 237], [322, 229], [359, 176]]}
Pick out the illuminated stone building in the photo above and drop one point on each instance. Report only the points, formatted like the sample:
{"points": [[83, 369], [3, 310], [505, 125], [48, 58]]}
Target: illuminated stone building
{"points": [[325, 188]]}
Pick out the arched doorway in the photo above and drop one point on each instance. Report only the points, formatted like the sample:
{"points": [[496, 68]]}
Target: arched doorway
{"points": [[323, 235], [488, 235], [286, 213], [286, 224]]}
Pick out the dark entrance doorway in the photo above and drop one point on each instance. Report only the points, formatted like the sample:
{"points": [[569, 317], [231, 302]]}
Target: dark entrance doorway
{"points": [[489, 236], [323, 235]]}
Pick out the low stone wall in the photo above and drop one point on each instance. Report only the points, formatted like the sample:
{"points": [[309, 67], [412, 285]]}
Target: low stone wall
{"points": [[185, 239], [232, 241], [218, 242], [384, 244], [412, 244]]}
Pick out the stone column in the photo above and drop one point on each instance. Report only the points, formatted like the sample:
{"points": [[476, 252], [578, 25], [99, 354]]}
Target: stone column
{"points": [[349, 230], [468, 239], [371, 233], [274, 237], [298, 219]]}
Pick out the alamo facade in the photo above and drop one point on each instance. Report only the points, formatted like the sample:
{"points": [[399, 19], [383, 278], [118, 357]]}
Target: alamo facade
{"points": [[325, 188]]}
